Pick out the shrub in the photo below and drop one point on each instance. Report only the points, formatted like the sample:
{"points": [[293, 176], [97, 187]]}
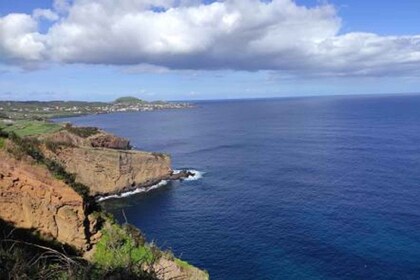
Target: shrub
{"points": [[83, 132], [123, 247], [38, 259], [55, 146], [183, 264]]}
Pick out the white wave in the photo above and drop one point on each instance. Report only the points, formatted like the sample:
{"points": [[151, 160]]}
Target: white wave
{"points": [[136, 191]]}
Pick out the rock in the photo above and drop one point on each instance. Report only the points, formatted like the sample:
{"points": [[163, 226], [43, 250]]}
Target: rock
{"points": [[169, 268], [181, 175], [109, 141], [107, 171], [104, 168], [33, 199]]}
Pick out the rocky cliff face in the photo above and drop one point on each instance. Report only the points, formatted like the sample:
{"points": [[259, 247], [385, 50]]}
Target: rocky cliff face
{"points": [[105, 170], [108, 171], [30, 198], [170, 270], [110, 142]]}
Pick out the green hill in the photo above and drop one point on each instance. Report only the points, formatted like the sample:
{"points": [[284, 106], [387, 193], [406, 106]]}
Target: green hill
{"points": [[129, 99]]}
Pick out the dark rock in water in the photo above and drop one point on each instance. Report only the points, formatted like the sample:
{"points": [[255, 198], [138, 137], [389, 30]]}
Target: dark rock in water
{"points": [[181, 175], [110, 142]]}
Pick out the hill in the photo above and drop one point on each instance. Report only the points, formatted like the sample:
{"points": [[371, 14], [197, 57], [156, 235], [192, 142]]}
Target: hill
{"points": [[129, 99]]}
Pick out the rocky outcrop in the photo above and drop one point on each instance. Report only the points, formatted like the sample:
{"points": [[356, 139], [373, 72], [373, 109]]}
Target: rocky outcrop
{"points": [[110, 142], [107, 171], [176, 269], [99, 139], [31, 198]]}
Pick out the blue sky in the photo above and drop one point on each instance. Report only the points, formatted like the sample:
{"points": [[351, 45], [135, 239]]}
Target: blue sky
{"points": [[224, 66]]}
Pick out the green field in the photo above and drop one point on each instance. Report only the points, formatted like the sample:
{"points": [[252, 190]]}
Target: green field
{"points": [[25, 128]]}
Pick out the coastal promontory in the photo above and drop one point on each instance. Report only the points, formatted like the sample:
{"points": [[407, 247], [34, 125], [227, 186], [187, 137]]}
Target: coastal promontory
{"points": [[49, 178]]}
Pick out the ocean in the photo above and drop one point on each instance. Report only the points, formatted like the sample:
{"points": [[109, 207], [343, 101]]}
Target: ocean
{"points": [[291, 188]]}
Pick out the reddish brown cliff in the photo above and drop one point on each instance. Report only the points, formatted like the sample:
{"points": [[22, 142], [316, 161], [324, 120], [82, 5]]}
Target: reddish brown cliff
{"points": [[105, 170], [31, 198]]}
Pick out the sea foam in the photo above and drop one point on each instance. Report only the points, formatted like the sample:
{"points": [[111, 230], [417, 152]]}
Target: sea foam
{"points": [[136, 191]]}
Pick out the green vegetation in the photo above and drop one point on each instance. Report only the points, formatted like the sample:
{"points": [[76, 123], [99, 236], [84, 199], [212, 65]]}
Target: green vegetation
{"points": [[36, 110], [25, 128], [38, 259], [55, 146], [129, 99], [183, 264], [124, 247], [39, 110], [118, 248], [121, 252], [83, 132]]}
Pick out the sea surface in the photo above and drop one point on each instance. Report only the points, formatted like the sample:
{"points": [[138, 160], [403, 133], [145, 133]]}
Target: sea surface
{"points": [[292, 188]]}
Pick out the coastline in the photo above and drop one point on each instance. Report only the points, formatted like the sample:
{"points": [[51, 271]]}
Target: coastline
{"points": [[47, 110], [67, 161], [196, 175], [62, 116]]}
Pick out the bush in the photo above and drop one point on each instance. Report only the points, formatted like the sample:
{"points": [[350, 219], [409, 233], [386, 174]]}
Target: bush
{"points": [[123, 247], [83, 132], [55, 146], [37, 259]]}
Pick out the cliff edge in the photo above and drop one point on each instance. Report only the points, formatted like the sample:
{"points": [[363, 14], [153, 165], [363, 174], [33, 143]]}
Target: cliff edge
{"points": [[32, 198], [105, 162], [47, 185]]}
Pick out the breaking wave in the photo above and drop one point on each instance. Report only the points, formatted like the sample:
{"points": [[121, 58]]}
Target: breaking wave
{"points": [[136, 191]]}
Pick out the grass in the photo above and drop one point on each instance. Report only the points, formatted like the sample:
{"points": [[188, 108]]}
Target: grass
{"points": [[24, 256], [183, 264], [83, 132], [118, 249], [2, 141], [24, 128], [124, 248]]}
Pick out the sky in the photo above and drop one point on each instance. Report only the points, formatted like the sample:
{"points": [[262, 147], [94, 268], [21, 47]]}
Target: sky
{"points": [[193, 50]]}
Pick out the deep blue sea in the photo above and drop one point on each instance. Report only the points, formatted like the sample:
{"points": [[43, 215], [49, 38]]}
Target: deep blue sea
{"points": [[294, 188]]}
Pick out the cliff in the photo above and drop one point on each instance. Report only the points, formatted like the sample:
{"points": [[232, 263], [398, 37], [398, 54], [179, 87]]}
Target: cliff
{"points": [[104, 163], [31, 198], [38, 194]]}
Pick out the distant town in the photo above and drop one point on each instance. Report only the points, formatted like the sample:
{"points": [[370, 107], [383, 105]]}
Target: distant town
{"points": [[39, 110]]}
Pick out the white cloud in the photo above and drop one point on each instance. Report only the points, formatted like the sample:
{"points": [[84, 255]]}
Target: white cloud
{"points": [[233, 34], [20, 41]]}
